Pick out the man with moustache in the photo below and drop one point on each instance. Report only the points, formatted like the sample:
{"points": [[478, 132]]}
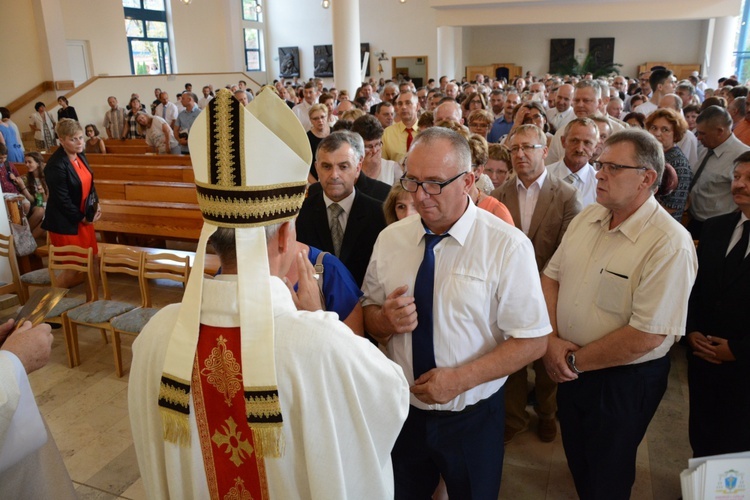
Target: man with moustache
{"points": [[579, 140], [717, 331], [497, 103], [502, 125]]}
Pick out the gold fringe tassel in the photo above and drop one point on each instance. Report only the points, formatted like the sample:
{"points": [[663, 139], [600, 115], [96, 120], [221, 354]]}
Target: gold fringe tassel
{"points": [[268, 439], [175, 426]]}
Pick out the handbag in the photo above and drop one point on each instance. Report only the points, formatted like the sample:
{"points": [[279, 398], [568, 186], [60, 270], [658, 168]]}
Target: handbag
{"points": [[24, 241], [19, 227], [92, 206]]}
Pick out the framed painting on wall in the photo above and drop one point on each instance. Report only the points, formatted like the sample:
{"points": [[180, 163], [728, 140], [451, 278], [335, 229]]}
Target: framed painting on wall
{"points": [[323, 61], [288, 62]]}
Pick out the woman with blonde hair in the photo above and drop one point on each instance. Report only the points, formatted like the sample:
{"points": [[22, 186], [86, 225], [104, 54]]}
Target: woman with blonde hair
{"points": [[73, 205], [320, 129], [478, 194]]}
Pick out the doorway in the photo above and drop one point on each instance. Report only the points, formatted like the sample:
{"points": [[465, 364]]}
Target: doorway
{"points": [[78, 58], [414, 67]]}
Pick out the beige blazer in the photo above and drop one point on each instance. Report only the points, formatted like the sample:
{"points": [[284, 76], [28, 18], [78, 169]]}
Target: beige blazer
{"points": [[558, 203]]}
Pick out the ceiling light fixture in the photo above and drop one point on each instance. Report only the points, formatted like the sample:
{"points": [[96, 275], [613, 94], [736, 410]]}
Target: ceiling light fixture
{"points": [[326, 4]]}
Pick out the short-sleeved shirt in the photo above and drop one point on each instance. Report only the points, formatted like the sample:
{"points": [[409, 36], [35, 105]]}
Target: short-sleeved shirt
{"points": [[487, 289], [339, 288], [712, 193], [639, 274], [394, 141]]}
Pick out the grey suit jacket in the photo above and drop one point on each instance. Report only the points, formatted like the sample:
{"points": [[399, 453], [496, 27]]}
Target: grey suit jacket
{"points": [[558, 203]]}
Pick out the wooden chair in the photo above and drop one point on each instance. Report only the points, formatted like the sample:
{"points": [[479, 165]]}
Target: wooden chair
{"points": [[40, 278], [70, 258], [97, 314], [8, 250], [155, 267]]}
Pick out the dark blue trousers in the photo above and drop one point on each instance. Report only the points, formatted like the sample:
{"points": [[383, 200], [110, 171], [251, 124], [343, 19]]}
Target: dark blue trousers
{"points": [[603, 416], [465, 447]]}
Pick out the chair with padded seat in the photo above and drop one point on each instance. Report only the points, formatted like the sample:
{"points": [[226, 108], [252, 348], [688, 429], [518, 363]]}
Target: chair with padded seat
{"points": [[39, 278], [96, 314], [8, 250], [157, 266], [70, 258]]}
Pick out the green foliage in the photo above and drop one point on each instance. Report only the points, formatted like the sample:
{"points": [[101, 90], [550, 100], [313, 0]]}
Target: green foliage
{"points": [[589, 65]]}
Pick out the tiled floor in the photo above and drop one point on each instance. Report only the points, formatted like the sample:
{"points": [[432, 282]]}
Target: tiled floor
{"points": [[86, 409]]}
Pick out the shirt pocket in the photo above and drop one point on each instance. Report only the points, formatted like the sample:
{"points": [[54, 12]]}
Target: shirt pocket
{"points": [[613, 294]]}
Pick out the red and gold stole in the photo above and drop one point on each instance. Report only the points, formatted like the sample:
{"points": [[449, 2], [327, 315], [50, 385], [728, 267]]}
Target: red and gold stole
{"points": [[232, 459]]}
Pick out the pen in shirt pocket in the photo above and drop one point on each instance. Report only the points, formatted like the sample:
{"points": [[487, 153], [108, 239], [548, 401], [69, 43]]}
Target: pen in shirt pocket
{"points": [[616, 274]]}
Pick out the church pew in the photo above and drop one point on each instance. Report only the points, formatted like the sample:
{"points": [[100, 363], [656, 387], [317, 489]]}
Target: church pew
{"points": [[169, 173], [138, 159], [180, 221], [170, 192], [128, 148]]}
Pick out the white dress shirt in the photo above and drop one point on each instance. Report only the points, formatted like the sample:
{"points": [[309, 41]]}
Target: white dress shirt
{"points": [[479, 301], [737, 235], [527, 198], [584, 180]]}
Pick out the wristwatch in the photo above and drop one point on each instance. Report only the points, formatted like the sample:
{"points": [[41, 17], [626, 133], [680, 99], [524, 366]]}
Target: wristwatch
{"points": [[571, 360]]}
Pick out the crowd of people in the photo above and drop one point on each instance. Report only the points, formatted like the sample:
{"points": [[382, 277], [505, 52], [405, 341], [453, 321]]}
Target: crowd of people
{"points": [[476, 230]]}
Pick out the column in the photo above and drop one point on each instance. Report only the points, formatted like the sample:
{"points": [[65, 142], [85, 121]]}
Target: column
{"points": [[346, 40], [449, 52], [719, 48], [51, 33]]}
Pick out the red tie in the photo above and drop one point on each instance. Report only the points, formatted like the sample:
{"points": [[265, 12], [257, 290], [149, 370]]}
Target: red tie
{"points": [[409, 138]]}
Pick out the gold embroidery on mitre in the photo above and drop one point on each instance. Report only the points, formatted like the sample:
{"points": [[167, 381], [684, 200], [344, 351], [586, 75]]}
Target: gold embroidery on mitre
{"points": [[225, 148], [223, 371], [237, 446], [238, 491], [218, 206]]}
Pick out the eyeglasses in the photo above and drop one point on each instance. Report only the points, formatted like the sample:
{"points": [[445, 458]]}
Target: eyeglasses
{"points": [[429, 187], [374, 146], [527, 148], [613, 168], [483, 126]]}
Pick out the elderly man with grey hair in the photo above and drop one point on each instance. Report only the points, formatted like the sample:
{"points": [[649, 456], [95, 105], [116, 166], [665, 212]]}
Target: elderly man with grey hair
{"points": [[457, 322], [339, 218], [587, 103], [617, 290]]}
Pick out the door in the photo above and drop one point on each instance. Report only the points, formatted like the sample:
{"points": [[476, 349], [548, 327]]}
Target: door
{"points": [[78, 57]]}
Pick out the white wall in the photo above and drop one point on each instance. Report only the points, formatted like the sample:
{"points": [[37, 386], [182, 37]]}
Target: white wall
{"points": [[20, 60], [103, 25], [399, 29], [679, 42]]}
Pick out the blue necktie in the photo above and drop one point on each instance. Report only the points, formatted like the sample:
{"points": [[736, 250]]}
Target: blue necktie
{"points": [[422, 345]]}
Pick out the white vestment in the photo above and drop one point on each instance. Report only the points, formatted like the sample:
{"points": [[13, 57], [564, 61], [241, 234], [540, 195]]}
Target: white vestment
{"points": [[32, 471], [343, 404]]}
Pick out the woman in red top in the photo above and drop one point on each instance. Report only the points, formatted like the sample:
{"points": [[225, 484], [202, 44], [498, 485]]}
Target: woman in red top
{"points": [[68, 219]]}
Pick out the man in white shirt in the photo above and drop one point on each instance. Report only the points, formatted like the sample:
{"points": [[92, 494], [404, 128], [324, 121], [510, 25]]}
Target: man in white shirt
{"points": [[587, 100], [562, 113], [302, 109], [203, 102], [371, 97], [456, 321], [166, 110], [662, 82], [579, 140], [617, 289]]}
